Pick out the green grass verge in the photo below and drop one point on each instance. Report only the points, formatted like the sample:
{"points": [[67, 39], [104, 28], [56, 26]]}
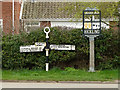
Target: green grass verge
{"points": [[60, 75]]}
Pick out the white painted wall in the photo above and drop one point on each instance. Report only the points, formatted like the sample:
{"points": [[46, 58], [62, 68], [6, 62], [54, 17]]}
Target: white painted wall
{"points": [[66, 24], [73, 24]]}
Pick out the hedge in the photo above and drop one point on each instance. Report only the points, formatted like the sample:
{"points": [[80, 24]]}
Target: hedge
{"points": [[106, 50]]}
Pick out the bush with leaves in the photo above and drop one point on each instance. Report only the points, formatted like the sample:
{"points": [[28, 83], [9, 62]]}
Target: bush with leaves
{"points": [[105, 48]]}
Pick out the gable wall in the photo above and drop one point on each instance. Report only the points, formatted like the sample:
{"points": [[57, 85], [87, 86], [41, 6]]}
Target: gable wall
{"points": [[7, 17]]}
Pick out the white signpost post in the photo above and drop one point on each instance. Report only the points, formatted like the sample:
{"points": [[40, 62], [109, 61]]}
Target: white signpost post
{"points": [[40, 46], [91, 29]]}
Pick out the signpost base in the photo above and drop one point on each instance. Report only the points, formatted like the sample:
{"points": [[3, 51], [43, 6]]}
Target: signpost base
{"points": [[47, 66], [91, 69]]}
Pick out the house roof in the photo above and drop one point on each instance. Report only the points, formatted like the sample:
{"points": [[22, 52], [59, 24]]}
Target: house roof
{"points": [[46, 10], [52, 11]]}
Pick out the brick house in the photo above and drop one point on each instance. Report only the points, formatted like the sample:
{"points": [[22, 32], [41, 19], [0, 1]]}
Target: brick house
{"points": [[6, 18], [1, 20], [31, 14]]}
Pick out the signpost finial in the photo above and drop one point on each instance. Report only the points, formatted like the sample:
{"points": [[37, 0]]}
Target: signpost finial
{"points": [[47, 32]]}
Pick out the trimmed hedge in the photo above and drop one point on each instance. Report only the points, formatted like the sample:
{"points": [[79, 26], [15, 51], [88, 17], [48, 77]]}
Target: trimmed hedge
{"points": [[106, 50]]}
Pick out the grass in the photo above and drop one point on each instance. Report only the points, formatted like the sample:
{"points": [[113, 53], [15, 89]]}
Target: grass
{"points": [[60, 75]]}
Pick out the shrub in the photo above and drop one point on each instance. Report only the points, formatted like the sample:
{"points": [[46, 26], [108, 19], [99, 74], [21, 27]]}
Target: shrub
{"points": [[70, 69], [105, 47]]}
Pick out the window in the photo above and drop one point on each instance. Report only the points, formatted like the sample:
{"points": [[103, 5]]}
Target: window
{"points": [[30, 26], [33, 23]]}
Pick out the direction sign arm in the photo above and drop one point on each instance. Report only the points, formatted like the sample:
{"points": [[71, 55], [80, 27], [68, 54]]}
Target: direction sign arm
{"points": [[31, 48], [62, 47]]}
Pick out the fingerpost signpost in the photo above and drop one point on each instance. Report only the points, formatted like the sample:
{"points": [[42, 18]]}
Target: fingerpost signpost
{"points": [[91, 29], [40, 46]]}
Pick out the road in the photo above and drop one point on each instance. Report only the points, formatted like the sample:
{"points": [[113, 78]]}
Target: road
{"points": [[56, 85]]}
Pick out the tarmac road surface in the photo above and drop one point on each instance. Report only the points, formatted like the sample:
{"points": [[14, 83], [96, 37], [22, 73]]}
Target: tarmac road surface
{"points": [[55, 85]]}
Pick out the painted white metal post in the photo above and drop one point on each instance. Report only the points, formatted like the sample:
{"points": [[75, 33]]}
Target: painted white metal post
{"points": [[47, 64], [47, 47], [47, 67]]}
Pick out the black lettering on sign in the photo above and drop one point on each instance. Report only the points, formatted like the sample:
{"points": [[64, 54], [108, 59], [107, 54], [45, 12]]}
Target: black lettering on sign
{"points": [[34, 48], [91, 31]]}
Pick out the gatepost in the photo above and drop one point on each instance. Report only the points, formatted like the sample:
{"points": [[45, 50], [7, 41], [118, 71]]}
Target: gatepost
{"points": [[91, 29]]}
